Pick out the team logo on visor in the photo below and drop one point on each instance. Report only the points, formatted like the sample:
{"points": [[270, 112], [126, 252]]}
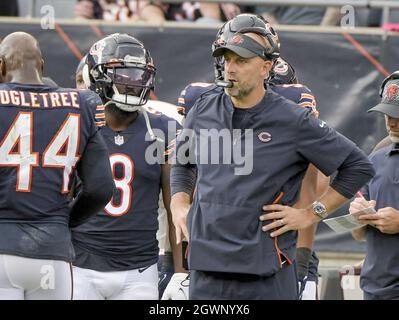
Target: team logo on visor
{"points": [[237, 39], [392, 91], [265, 136], [281, 67]]}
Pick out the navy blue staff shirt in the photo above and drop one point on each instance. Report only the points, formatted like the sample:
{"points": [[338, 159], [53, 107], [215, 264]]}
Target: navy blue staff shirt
{"points": [[225, 231], [380, 271]]}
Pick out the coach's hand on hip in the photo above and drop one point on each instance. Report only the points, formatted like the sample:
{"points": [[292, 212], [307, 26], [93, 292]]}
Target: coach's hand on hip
{"points": [[285, 218]]}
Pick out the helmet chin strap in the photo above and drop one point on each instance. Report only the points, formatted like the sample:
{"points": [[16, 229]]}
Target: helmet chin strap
{"points": [[142, 110], [149, 128]]}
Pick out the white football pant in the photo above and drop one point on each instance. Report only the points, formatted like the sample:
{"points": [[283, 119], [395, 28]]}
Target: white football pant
{"points": [[34, 279], [137, 284]]}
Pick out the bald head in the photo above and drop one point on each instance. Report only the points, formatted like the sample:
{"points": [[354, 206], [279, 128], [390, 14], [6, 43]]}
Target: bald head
{"points": [[20, 53]]}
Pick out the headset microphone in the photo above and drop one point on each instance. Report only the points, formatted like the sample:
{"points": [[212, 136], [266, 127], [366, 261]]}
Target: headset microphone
{"points": [[224, 84]]}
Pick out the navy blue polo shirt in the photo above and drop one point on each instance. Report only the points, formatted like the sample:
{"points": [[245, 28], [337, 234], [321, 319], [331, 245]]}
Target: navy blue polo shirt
{"points": [[225, 231], [380, 272]]}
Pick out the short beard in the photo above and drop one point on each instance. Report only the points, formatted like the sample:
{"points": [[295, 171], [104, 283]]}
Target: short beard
{"points": [[238, 94]]}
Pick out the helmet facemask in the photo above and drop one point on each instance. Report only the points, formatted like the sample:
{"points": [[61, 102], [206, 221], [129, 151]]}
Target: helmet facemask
{"points": [[131, 83], [124, 75]]}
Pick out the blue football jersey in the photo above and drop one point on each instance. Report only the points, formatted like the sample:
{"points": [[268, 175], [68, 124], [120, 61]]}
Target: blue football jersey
{"points": [[190, 94], [297, 93], [123, 235], [43, 132]]}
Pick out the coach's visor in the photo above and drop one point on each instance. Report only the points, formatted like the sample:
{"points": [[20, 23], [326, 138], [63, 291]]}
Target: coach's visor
{"points": [[243, 46]]}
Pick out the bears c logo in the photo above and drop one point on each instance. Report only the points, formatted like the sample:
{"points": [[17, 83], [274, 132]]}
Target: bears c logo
{"points": [[236, 39], [265, 136]]}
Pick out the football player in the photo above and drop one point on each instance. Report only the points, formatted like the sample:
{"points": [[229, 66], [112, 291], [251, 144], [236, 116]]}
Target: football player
{"points": [[117, 251], [165, 262], [47, 133]]}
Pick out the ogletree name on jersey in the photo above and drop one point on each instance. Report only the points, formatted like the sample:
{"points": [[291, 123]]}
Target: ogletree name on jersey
{"points": [[37, 100]]}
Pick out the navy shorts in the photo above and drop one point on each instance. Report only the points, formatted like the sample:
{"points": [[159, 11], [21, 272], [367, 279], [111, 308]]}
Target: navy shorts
{"points": [[205, 285]]}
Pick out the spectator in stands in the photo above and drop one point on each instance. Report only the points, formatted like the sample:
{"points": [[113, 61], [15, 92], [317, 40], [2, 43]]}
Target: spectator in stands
{"points": [[379, 278], [222, 12], [117, 10], [9, 8], [158, 11]]}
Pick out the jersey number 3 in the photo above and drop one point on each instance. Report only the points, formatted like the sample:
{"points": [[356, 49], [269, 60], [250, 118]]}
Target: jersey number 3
{"points": [[124, 185], [62, 151]]}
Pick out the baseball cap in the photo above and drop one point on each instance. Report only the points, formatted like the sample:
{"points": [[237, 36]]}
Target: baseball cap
{"points": [[389, 104], [244, 46]]}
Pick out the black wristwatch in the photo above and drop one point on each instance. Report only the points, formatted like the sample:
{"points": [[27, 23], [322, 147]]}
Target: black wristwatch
{"points": [[319, 209]]}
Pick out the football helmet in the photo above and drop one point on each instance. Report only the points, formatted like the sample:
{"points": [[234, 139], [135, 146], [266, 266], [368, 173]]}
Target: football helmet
{"points": [[282, 73], [243, 23], [81, 64], [120, 69]]}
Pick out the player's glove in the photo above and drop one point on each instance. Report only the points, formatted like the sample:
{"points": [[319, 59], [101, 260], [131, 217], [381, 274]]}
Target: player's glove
{"points": [[309, 291], [177, 288], [301, 286], [302, 265], [166, 272]]}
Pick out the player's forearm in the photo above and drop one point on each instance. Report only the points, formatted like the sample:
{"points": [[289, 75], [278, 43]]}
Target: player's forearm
{"points": [[179, 200], [97, 182], [176, 248], [165, 184]]}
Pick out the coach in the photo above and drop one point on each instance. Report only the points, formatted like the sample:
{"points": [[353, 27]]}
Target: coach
{"points": [[379, 278], [239, 247]]}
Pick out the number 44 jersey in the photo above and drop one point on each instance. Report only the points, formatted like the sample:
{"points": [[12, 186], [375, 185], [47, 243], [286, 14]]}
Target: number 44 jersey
{"points": [[43, 133]]}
